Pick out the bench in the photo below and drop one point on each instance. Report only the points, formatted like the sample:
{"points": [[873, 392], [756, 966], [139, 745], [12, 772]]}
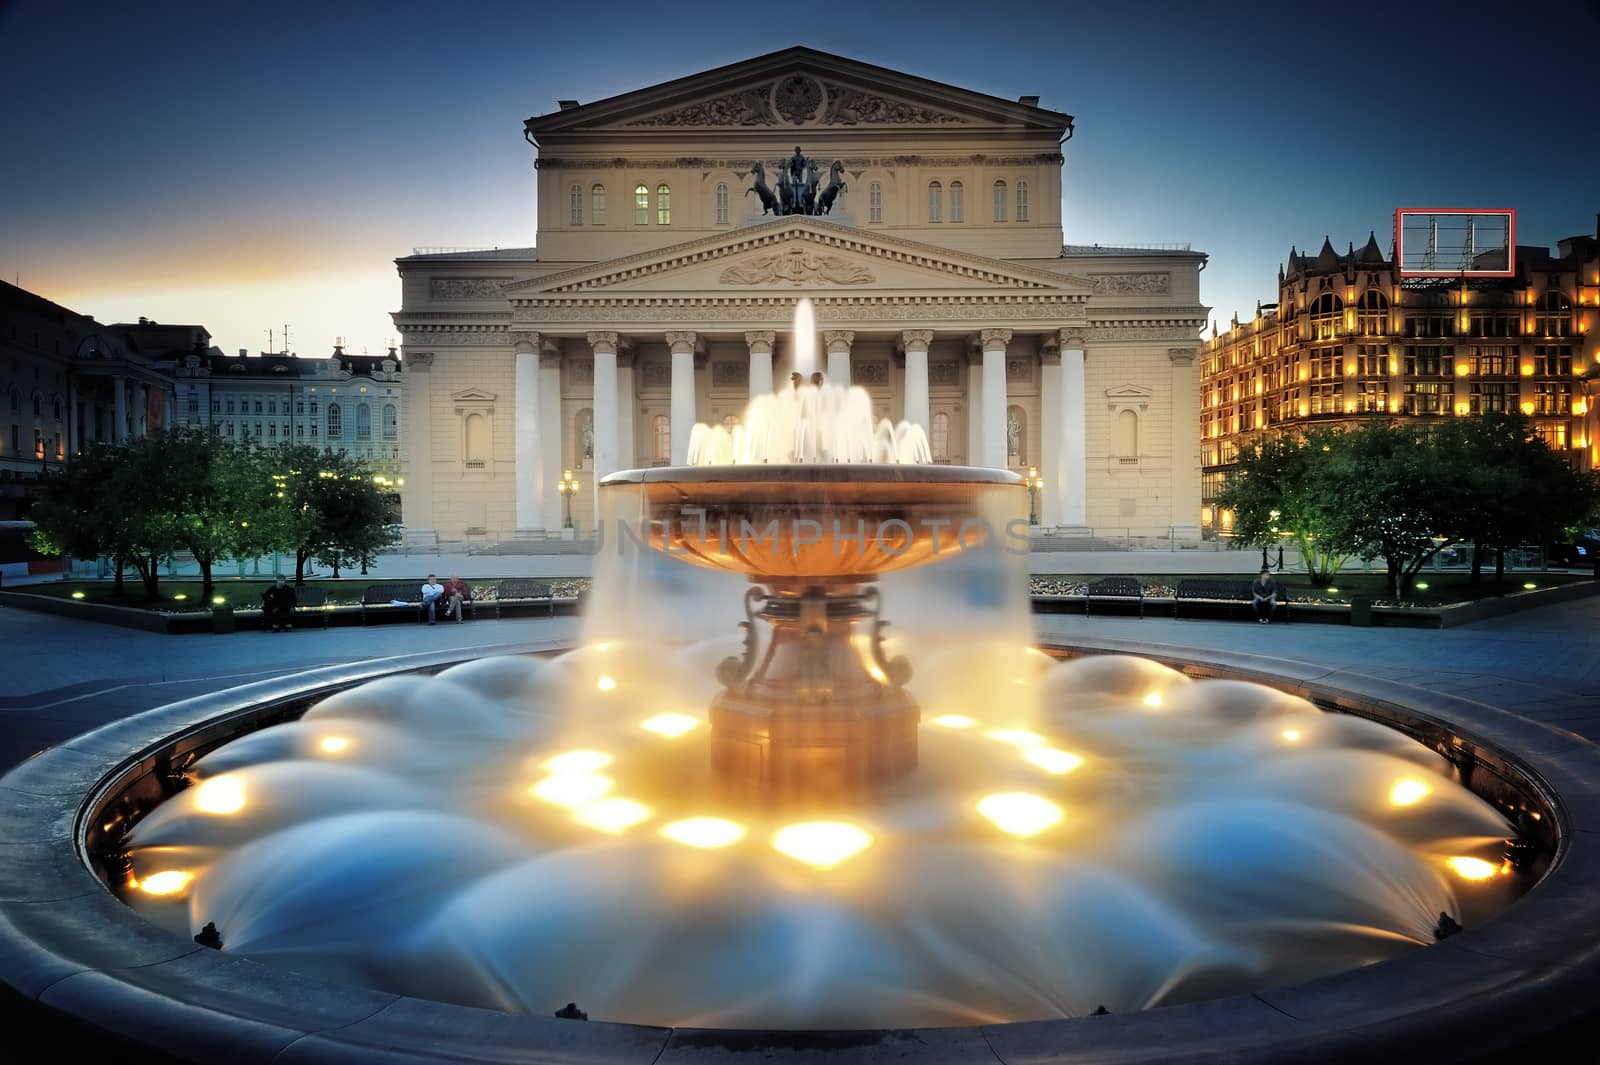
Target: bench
{"points": [[311, 602], [518, 591], [1124, 590], [378, 600], [1216, 592]]}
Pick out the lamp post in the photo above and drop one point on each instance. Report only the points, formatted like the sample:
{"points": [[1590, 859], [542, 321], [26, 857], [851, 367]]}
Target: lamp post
{"points": [[1035, 484], [568, 488]]}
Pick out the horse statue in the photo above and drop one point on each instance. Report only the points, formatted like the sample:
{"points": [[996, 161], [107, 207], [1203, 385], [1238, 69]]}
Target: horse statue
{"points": [[808, 200], [836, 185], [769, 202]]}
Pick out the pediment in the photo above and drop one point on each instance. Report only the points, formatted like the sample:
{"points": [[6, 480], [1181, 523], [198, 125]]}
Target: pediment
{"points": [[800, 253], [797, 89], [472, 395], [1129, 394]]}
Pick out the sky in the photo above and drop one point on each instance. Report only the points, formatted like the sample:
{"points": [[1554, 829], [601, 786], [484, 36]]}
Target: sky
{"points": [[244, 167]]}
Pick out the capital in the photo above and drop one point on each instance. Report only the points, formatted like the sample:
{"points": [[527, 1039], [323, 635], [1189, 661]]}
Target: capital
{"points": [[681, 343], [608, 341], [418, 360], [838, 341], [520, 337], [994, 338], [763, 339], [1181, 354], [916, 339]]}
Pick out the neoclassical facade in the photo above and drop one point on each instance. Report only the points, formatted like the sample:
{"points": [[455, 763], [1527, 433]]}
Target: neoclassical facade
{"points": [[662, 293]]}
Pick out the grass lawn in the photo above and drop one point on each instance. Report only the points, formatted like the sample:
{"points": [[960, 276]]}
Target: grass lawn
{"points": [[183, 594], [1430, 590]]}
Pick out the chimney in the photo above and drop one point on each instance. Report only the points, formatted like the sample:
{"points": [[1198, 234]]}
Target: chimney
{"points": [[1028, 101], [567, 105], [143, 320], [244, 353]]}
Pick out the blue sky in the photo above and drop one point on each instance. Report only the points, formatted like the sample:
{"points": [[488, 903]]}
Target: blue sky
{"points": [[249, 166]]}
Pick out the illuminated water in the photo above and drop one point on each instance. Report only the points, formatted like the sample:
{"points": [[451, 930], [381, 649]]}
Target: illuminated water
{"points": [[521, 832]]}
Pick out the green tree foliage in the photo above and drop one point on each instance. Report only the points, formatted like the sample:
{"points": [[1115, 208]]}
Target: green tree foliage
{"points": [[219, 496], [332, 512], [1275, 492]]}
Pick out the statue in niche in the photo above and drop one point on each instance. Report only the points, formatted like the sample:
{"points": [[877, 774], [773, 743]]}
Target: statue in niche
{"points": [[586, 440], [1014, 438]]}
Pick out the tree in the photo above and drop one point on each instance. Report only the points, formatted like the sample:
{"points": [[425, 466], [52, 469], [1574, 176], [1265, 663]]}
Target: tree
{"points": [[1275, 491], [218, 497], [332, 511]]}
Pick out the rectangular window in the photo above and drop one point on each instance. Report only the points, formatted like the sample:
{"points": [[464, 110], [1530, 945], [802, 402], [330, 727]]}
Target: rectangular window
{"points": [[230, 406], [1022, 201], [875, 202], [597, 206], [957, 208]]}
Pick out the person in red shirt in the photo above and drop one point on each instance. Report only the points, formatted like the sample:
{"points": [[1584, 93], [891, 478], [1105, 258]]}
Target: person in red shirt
{"points": [[456, 593]]}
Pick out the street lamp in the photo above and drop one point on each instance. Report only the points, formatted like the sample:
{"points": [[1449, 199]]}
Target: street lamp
{"points": [[1035, 483], [568, 488]]}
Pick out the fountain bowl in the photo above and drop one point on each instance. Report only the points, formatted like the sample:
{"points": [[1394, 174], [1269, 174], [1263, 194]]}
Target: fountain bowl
{"points": [[799, 523]]}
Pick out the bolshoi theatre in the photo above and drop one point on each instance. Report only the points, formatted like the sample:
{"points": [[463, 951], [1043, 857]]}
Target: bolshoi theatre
{"points": [[678, 227]]}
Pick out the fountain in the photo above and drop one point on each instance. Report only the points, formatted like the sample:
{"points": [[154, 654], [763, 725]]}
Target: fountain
{"points": [[745, 799]]}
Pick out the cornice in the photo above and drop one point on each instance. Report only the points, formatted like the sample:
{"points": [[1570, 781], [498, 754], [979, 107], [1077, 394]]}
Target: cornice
{"points": [[741, 164], [777, 231]]}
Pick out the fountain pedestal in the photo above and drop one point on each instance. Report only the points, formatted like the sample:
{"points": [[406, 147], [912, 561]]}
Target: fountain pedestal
{"points": [[820, 711]]}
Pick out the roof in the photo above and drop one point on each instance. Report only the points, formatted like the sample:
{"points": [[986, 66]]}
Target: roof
{"points": [[279, 365], [472, 254], [1069, 251]]}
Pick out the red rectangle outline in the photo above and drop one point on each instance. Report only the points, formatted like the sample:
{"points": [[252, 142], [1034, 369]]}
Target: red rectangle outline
{"points": [[1511, 242]]}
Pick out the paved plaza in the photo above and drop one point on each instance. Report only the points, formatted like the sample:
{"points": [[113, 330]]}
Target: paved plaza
{"points": [[66, 676]]}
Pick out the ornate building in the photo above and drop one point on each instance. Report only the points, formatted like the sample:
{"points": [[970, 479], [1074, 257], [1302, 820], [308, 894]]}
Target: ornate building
{"points": [[345, 403], [1348, 339], [680, 224]]}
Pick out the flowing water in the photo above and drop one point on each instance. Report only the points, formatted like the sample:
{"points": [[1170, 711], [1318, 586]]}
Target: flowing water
{"points": [[521, 832]]}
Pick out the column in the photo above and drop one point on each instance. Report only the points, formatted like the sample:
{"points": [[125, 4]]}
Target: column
{"points": [[168, 409], [683, 405], [838, 342], [551, 434], [993, 444], [1185, 444], [1052, 452], [627, 408], [416, 495], [119, 410], [605, 408], [1075, 436], [760, 345], [528, 436], [74, 418], [916, 343], [141, 410], [974, 405]]}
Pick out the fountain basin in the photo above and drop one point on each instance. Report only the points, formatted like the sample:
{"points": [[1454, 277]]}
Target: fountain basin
{"points": [[70, 950]]}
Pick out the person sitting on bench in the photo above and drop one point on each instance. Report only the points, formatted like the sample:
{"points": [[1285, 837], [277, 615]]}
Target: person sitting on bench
{"points": [[277, 607], [456, 592], [432, 591], [1264, 596]]}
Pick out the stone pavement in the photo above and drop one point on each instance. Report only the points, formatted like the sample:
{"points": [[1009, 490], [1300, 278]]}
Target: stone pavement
{"points": [[65, 676]]}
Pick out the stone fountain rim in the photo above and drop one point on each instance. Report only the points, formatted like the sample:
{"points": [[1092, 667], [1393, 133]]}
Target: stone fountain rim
{"points": [[68, 944], [815, 473]]}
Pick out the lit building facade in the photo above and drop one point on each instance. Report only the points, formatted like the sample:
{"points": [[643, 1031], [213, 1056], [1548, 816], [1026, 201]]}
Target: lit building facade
{"points": [[1349, 340], [68, 381], [351, 404], [662, 293]]}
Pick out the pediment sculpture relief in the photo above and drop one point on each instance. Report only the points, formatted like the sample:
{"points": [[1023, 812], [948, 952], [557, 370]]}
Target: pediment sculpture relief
{"points": [[746, 107], [849, 107], [798, 265]]}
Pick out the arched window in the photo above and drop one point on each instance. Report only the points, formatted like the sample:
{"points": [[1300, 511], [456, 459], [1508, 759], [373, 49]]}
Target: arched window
{"points": [[999, 201], [939, 438], [1372, 313], [575, 205], [477, 441], [935, 201], [722, 205], [597, 205], [957, 207], [1125, 435], [661, 431], [363, 422], [641, 205], [663, 206], [1327, 317], [55, 408], [583, 440], [1555, 315], [335, 421], [391, 421], [875, 202], [38, 404], [16, 400], [1022, 201], [1016, 437]]}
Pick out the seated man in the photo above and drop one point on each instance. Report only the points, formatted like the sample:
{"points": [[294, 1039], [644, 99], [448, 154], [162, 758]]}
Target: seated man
{"points": [[432, 591], [1264, 595], [456, 592], [277, 605]]}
